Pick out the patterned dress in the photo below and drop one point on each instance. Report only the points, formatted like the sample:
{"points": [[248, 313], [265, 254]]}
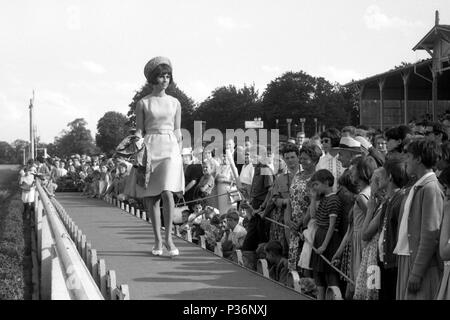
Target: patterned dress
{"points": [[299, 203], [280, 190]]}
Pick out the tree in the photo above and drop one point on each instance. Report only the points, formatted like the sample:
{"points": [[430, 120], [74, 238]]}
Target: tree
{"points": [[7, 154], [19, 145], [111, 129], [298, 95], [228, 107], [289, 96], [187, 105], [77, 139]]}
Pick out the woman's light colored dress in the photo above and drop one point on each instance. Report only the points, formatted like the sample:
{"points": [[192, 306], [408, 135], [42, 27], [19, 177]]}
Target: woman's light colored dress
{"points": [[163, 150]]}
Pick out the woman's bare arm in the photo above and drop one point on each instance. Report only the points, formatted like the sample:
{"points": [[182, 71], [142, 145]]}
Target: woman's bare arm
{"points": [[140, 119], [177, 125]]}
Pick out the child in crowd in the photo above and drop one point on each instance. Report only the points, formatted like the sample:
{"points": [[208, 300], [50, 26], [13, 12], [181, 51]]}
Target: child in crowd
{"points": [[28, 186], [117, 186], [278, 265], [327, 238], [185, 224], [88, 181], [304, 262], [104, 181], [361, 172], [380, 229], [94, 186], [444, 241], [214, 232]]}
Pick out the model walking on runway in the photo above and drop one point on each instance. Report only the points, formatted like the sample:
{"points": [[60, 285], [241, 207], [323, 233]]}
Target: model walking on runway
{"points": [[158, 121]]}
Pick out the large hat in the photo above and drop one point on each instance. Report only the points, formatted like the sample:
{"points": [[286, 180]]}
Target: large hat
{"points": [[153, 63], [364, 142], [349, 144]]}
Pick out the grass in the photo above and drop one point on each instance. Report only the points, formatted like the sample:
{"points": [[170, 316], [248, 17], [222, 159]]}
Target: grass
{"points": [[15, 248]]}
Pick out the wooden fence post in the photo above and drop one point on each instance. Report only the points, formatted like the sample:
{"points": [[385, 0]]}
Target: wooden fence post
{"points": [[102, 278], [111, 284], [263, 268], [93, 266], [218, 249]]}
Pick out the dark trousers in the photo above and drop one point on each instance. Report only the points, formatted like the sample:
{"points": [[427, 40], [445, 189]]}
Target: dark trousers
{"points": [[388, 283], [28, 209]]}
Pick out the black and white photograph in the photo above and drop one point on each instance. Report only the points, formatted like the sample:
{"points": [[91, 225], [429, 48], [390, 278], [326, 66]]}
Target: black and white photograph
{"points": [[225, 156]]}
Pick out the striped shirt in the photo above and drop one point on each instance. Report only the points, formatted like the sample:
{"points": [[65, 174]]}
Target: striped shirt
{"points": [[329, 206]]}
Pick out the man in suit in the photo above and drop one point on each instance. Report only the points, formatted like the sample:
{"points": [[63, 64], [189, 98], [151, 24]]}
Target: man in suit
{"points": [[421, 211]]}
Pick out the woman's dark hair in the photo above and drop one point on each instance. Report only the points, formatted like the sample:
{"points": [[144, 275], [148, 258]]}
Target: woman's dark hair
{"points": [[345, 180], [323, 176], [290, 147], [159, 71], [444, 177], [398, 133], [233, 215], [274, 247], [439, 128], [429, 151], [396, 167], [312, 150], [365, 168], [215, 220], [445, 147], [333, 134]]}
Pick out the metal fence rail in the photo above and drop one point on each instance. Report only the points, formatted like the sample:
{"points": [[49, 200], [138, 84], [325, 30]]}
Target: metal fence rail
{"points": [[104, 278], [62, 272]]}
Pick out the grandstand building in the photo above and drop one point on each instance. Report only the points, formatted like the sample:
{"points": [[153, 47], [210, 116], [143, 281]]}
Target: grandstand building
{"points": [[412, 92]]}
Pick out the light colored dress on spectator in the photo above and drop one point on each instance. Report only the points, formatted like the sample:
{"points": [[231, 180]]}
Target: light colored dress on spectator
{"points": [[299, 203], [28, 193], [223, 203], [357, 241]]}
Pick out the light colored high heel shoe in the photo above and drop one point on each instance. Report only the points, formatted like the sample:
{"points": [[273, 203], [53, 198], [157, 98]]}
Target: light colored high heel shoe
{"points": [[172, 253], [157, 252]]}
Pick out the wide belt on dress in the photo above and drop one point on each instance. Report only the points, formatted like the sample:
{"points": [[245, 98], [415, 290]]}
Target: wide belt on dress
{"points": [[159, 131]]}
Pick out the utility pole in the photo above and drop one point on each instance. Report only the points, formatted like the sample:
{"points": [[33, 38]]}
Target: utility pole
{"points": [[35, 135], [31, 128]]}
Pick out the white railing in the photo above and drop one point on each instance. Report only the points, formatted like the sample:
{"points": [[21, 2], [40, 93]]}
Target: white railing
{"points": [[61, 273], [104, 279]]}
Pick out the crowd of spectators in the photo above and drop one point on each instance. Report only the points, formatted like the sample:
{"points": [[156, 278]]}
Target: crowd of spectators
{"points": [[358, 197]]}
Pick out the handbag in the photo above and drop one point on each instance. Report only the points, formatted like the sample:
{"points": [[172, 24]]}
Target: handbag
{"points": [[234, 194]]}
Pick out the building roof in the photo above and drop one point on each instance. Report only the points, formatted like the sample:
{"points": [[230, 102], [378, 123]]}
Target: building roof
{"points": [[390, 72], [427, 42]]}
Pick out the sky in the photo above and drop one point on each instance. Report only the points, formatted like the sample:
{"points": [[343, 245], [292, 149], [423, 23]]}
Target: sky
{"points": [[85, 58]]}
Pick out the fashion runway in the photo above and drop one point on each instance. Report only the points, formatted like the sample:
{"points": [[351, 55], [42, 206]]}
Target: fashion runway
{"points": [[125, 242]]}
